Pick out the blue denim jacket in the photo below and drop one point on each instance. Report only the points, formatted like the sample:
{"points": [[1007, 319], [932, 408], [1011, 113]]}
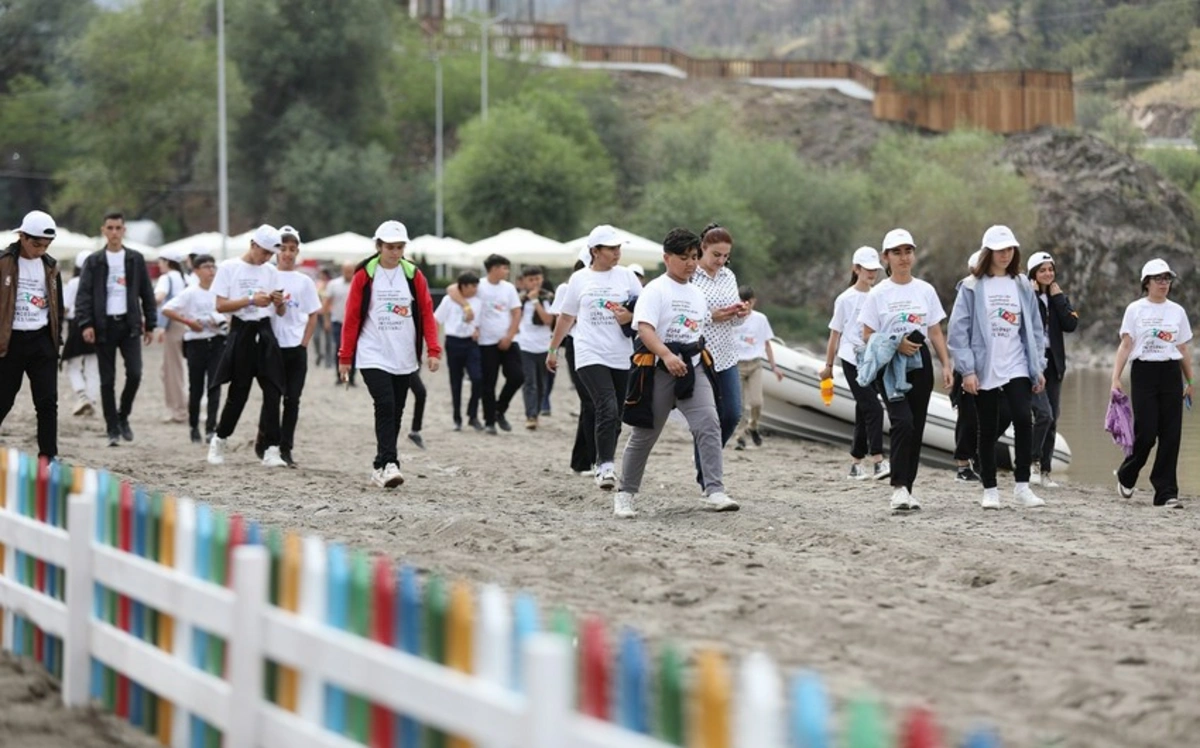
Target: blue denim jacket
{"points": [[879, 354]]}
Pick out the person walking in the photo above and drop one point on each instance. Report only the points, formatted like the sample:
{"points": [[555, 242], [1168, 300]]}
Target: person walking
{"points": [[170, 284], [336, 293], [754, 342], [115, 307], [672, 369], [321, 344], [845, 339], [203, 343], [533, 338], [79, 357], [583, 451], [997, 346], [389, 319], [1057, 317], [1155, 336], [31, 318], [906, 312], [966, 422], [248, 288], [460, 325], [597, 311], [727, 313]]}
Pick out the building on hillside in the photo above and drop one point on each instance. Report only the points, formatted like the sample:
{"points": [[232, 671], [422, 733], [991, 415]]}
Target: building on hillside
{"points": [[514, 11]]}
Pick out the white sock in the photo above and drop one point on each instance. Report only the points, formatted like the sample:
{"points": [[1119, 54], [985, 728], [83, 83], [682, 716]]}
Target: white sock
{"points": [[992, 493], [1020, 486], [606, 466]]}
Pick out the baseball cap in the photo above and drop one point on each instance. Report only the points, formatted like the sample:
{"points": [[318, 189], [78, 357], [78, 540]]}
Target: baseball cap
{"points": [[638, 270], [604, 236], [1156, 267], [391, 232], [172, 255], [288, 230], [867, 258], [266, 237], [973, 260], [999, 237], [1036, 259], [897, 238], [38, 224]]}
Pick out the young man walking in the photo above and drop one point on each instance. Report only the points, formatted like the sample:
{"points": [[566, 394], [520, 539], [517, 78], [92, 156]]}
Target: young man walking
{"points": [[460, 326], [248, 288], [203, 343], [115, 307], [31, 319]]}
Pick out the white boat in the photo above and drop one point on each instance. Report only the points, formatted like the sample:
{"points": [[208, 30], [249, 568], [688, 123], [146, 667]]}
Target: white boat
{"points": [[794, 406]]}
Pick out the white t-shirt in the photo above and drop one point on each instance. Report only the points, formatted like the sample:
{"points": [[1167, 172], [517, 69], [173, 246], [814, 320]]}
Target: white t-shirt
{"points": [[530, 337], [560, 295], [238, 279], [753, 336], [337, 290], [387, 339], [70, 291], [497, 300], [300, 296], [116, 302], [33, 304], [677, 311], [454, 322], [846, 309], [591, 297], [1004, 321], [199, 304], [901, 308], [170, 284], [1157, 330]]}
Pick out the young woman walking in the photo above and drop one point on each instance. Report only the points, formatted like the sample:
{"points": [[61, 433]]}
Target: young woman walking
{"points": [[845, 338], [727, 311], [996, 341], [1058, 317], [907, 312], [1154, 335]]}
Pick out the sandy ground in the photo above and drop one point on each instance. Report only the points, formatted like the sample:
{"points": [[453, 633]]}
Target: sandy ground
{"points": [[1072, 625]]}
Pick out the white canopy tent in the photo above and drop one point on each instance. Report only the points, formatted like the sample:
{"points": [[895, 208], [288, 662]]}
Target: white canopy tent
{"points": [[445, 250], [522, 247], [344, 247], [637, 249], [209, 242], [67, 245]]}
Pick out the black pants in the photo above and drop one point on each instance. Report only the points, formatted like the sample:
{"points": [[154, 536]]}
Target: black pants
{"points": [[495, 360], [203, 358], [606, 387], [1045, 422], [546, 393], [966, 426], [1018, 393], [295, 373], [388, 392], [868, 416], [462, 357], [533, 367], [335, 331], [118, 336], [32, 353], [1156, 393], [908, 422], [417, 387], [583, 453], [235, 403]]}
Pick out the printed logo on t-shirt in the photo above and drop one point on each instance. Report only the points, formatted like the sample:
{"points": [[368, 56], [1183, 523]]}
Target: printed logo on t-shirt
{"points": [[402, 310], [1166, 336], [499, 307], [749, 340], [1012, 318], [33, 300], [687, 323], [911, 318]]}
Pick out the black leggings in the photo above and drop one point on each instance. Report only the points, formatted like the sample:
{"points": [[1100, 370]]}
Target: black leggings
{"points": [[1156, 392], [966, 426], [908, 422], [868, 416], [583, 454], [1019, 395]]}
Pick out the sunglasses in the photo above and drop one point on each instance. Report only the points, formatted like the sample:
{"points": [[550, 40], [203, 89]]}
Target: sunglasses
{"points": [[1164, 278]]}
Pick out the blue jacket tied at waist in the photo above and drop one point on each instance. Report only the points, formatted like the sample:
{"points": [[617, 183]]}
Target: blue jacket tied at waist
{"points": [[879, 354]]}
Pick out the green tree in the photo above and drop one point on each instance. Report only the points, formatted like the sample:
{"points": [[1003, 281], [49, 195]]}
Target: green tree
{"points": [[1141, 42]]}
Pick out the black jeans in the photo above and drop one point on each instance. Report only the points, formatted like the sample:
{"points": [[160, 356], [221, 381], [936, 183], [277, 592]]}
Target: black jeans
{"points": [[1156, 393], [417, 387], [1045, 423], [388, 392], [606, 387], [494, 360], [295, 372], [235, 403], [583, 453], [1019, 395], [335, 331], [908, 422], [462, 357], [966, 426], [533, 366], [31, 353], [868, 416], [118, 337], [203, 359]]}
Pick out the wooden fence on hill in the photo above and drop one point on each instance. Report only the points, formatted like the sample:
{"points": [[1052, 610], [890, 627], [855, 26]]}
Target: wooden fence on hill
{"points": [[1001, 102]]}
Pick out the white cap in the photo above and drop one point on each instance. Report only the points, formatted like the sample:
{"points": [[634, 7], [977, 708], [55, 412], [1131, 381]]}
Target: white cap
{"points": [[999, 237], [585, 256], [867, 258], [897, 238], [288, 230], [172, 255], [638, 270], [1156, 267], [38, 224], [604, 236], [391, 232], [266, 237], [82, 258], [973, 260], [1036, 259]]}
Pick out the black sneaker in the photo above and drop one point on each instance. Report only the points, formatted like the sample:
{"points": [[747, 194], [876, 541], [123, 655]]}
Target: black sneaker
{"points": [[126, 432], [475, 424], [458, 425], [756, 437], [491, 430], [740, 444], [415, 438], [546, 412], [114, 440], [286, 454], [196, 435], [503, 423], [966, 475]]}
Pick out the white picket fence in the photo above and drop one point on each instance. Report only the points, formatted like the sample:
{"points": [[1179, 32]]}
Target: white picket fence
{"points": [[481, 708]]}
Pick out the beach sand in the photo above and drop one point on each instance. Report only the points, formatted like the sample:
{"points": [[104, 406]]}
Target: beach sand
{"points": [[1073, 625]]}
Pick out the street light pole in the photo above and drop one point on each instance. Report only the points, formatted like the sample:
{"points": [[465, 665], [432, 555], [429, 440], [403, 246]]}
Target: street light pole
{"points": [[484, 23], [439, 148], [222, 136]]}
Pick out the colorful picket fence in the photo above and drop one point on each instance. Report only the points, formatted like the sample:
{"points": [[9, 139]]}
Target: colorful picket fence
{"points": [[205, 630]]}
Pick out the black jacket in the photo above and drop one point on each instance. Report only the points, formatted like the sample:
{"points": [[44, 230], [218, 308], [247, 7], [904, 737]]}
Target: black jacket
{"points": [[91, 304], [1060, 317]]}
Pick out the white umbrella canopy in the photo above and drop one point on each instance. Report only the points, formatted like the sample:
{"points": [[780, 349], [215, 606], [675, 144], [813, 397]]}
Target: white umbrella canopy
{"points": [[522, 247], [446, 250], [637, 249], [344, 247], [68, 244]]}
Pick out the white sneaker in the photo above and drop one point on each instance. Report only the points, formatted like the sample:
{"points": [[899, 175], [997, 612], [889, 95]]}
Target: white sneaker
{"points": [[392, 477], [1024, 494], [991, 498], [83, 406], [377, 478], [883, 469], [1035, 478], [900, 500], [216, 451], [719, 501], [623, 505], [858, 472], [1046, 481], [606, 479], [913, 504], [272, 458]]}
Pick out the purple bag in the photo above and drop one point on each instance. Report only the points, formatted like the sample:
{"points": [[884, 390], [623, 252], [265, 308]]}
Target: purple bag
{"points": [[1118, 421]]}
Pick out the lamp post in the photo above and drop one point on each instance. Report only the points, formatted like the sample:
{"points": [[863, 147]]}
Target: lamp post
{"points": [[222, 136], [484, 24], [439, 151]]}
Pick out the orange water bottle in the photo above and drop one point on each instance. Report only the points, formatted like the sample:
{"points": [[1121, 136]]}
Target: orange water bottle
{"points": [[827, 391]]}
